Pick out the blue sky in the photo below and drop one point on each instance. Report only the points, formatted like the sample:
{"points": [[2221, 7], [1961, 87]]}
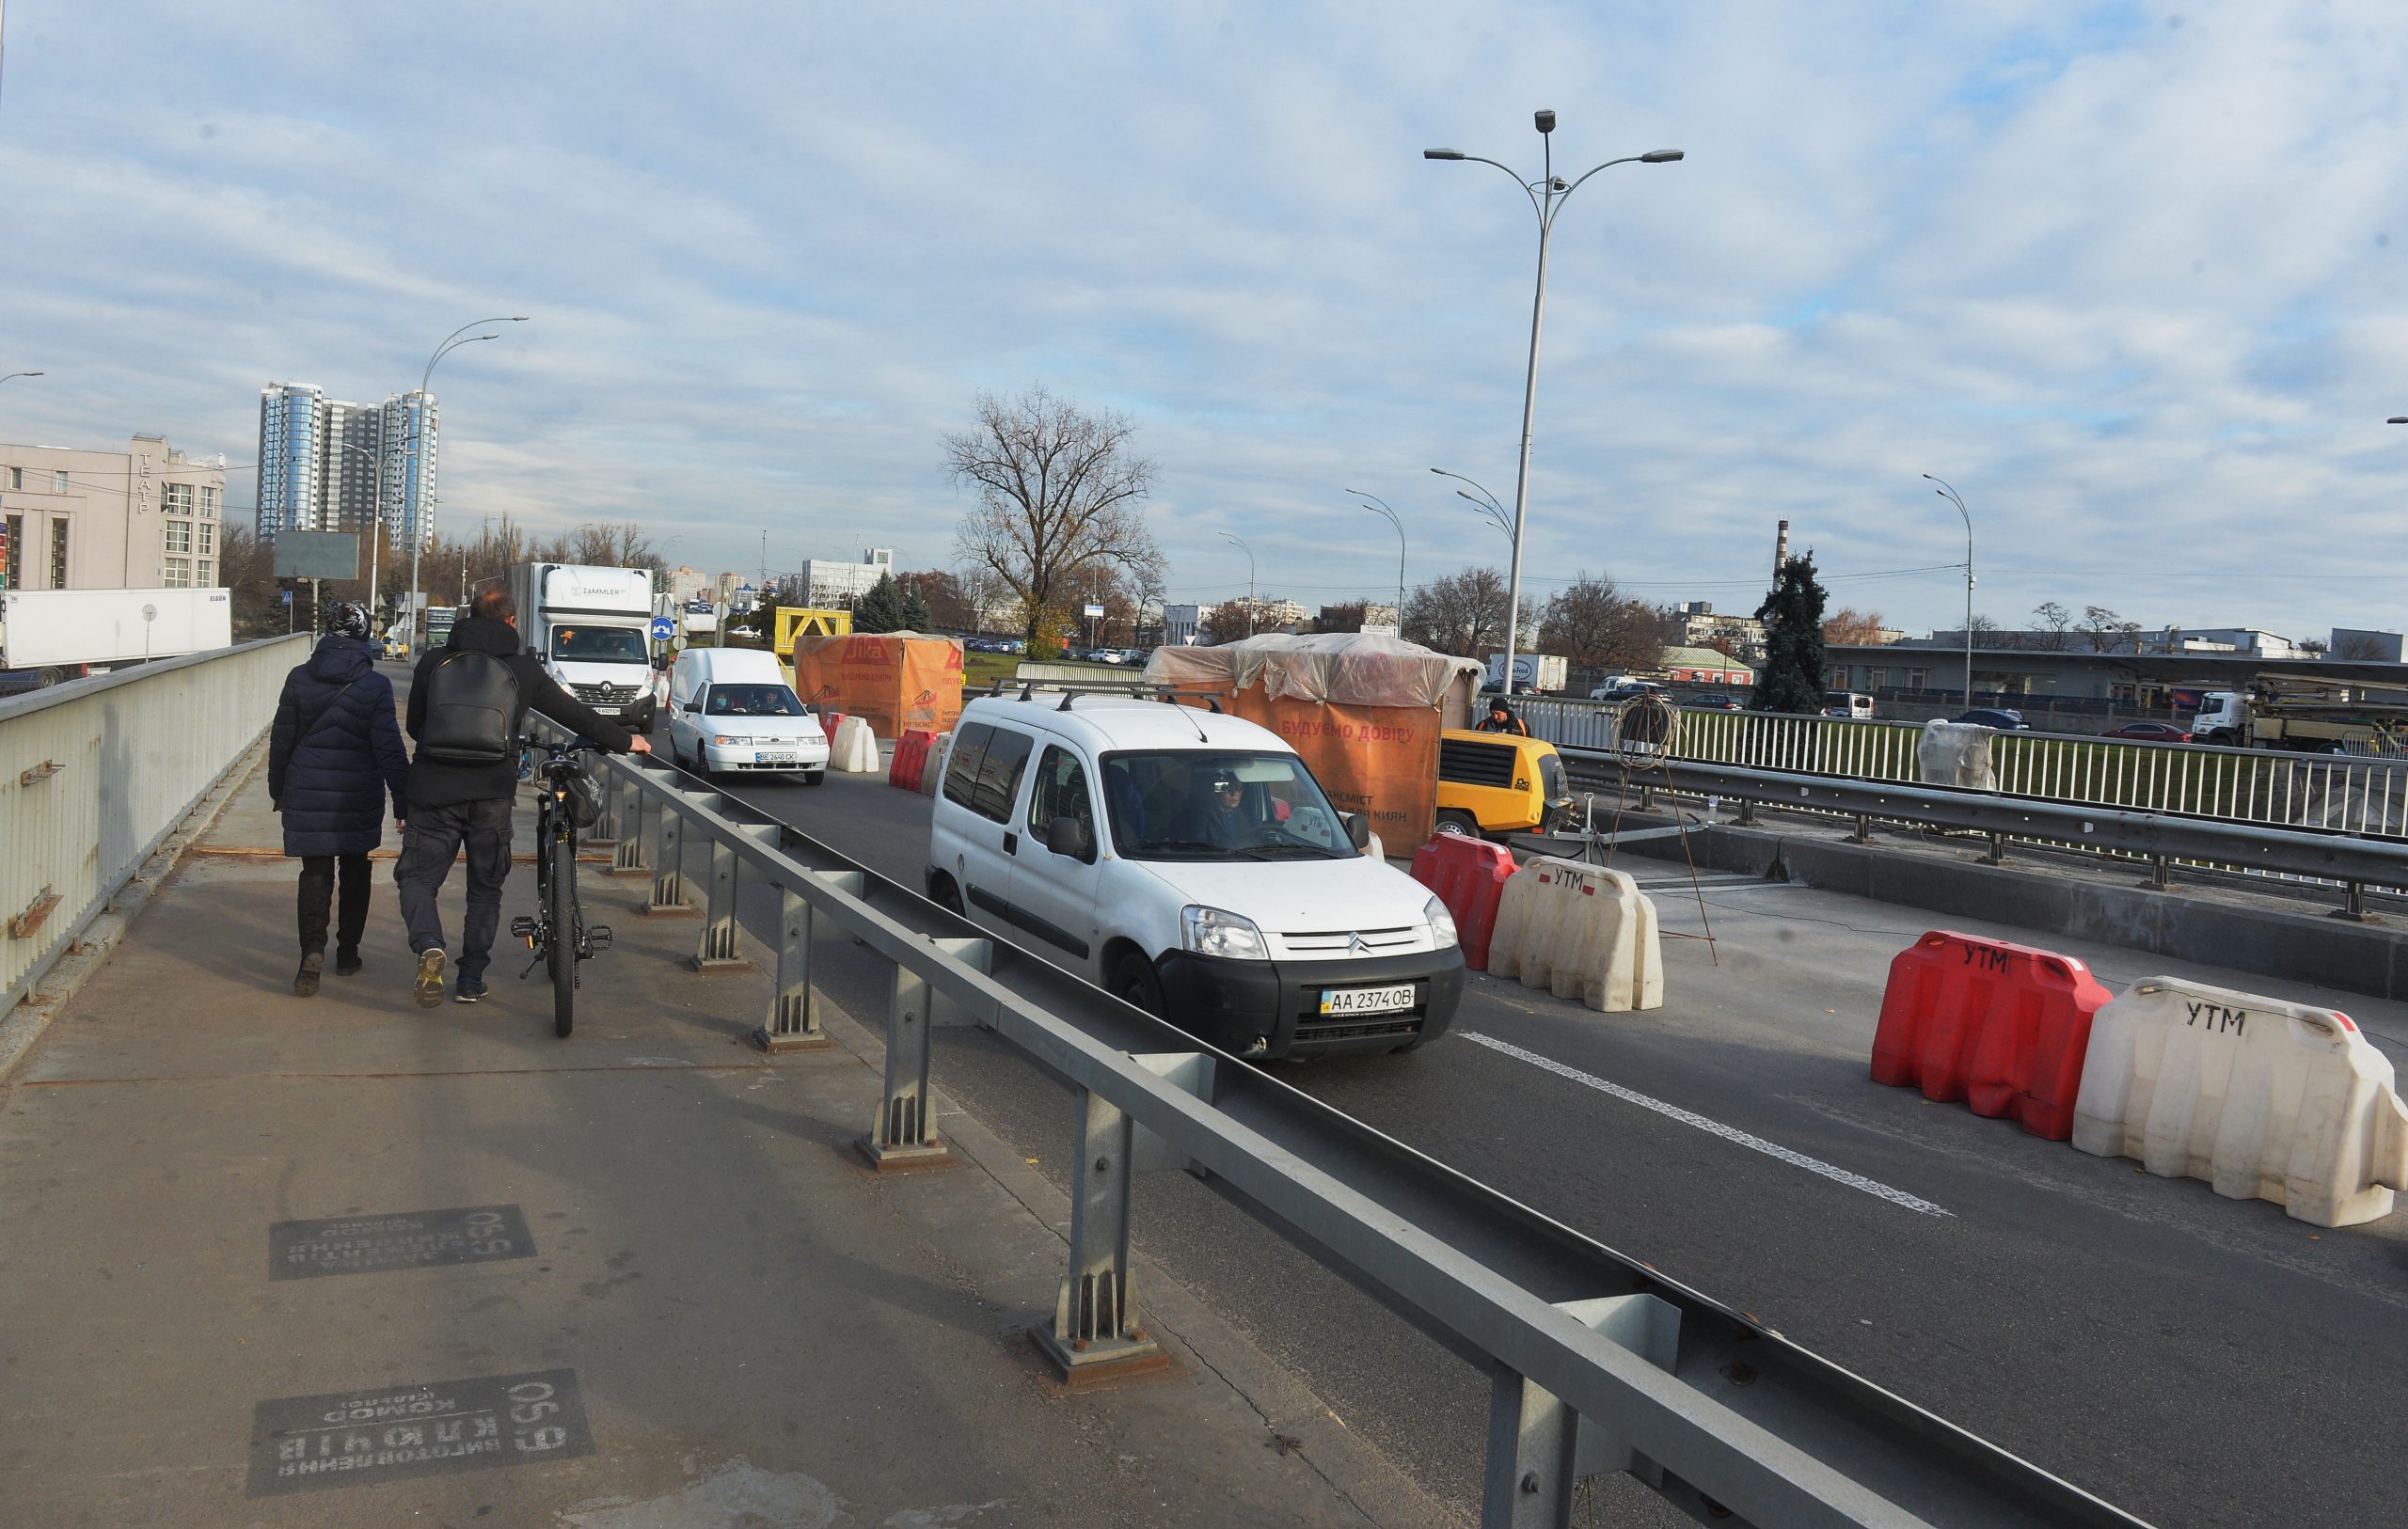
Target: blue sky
{"points": [[2128, 276]]}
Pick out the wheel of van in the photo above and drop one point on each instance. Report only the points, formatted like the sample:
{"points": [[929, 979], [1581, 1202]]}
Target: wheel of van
{"points": [[1135, 982], [949, 896], [1455, 820]]}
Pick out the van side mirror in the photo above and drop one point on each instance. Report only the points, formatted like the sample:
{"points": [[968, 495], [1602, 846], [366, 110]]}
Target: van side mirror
{"points": [[1069, 836], [1358, 831]]}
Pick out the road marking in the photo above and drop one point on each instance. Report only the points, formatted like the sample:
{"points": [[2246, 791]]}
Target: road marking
{"points": [[1714, 1127]]}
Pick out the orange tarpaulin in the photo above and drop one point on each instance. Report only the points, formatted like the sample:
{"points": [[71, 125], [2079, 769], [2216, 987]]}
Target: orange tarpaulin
{"points": [[893, 682], [1364, 711]]}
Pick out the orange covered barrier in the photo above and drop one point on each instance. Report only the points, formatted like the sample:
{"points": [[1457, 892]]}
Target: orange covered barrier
{"points": [[1468, 874], [895, 682], [911, 758], [2002, 1027]]}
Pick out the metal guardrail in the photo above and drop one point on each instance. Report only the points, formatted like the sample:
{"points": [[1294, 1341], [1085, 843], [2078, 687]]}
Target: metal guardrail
{"points": [[2352, 792], [2351, 861], [96, 773], [1599, 1364]]}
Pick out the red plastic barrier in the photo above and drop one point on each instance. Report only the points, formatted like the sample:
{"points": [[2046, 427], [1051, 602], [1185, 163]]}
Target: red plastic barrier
{"points": [[1468, 874], [827, 721], [911, 758], [2002, 1027]]}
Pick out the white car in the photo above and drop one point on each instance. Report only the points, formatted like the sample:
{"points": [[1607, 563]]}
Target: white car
{"points": [[731, 710], [1188, 862]]}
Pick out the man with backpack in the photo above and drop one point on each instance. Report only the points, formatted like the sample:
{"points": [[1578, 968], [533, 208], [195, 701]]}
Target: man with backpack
{"points": [[333, 755], [467, 701]]}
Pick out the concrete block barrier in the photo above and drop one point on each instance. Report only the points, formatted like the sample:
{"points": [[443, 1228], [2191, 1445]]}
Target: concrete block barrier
{"points": [[1582, 931], [1468, 876], [2004, 1028], [854, 748], [2263, 1100]]}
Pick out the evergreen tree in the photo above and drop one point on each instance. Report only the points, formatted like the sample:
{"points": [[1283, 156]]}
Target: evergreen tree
{"points": [[882, 608], [1791, 679], [915, 612]]}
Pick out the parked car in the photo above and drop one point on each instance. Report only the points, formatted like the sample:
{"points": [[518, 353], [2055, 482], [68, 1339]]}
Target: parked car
{"points": [[1713, 703], [1997, 716], [732, 709], [2149, 732], [1189, 863], [1626, 690], [1852, 704]]}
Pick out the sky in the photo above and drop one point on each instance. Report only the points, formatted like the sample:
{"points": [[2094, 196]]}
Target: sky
{"points": [[2127, 277]]}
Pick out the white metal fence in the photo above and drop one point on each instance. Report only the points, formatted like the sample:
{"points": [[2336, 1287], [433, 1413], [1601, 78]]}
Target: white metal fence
{"points": [[2352, 793], [95, 774]]}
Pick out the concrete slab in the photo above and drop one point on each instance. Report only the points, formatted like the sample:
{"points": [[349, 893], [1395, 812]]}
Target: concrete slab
{"points": [[720, 1319]]}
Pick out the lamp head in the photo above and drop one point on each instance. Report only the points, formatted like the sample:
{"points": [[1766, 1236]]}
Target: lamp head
{"points": [[1545, 120], [1442, 153], [1661, 156]]}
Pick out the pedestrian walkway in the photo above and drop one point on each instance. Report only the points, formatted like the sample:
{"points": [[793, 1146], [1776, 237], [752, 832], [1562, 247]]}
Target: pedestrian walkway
{"points": [[280, 1261]]}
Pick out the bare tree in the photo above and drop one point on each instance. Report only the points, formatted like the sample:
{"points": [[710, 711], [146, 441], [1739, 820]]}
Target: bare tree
{"points": [[1229, 620], [1462, 613], [2055, 634], [2106, 630], [2356, 646], [1596, 626], [1852, 627], [1059, 494]]}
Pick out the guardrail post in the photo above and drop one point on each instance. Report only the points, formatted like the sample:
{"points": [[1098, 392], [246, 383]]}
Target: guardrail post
{"points": [[1864, 834], [605, 827], [720, 947], [667, 866], [1998, 850], [627, 859], [2355, 905], [1094, 1336], [794, 1011], [1539, 1448], [904, 1135]]}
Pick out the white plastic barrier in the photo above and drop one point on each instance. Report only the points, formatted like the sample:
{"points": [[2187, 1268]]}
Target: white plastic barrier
{"points": [[1955, 754], [855, 748], [932, 774], [2263, 1100], [1580, 932]]}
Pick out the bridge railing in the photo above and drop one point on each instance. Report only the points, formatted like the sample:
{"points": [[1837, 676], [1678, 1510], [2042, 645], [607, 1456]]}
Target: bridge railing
{"points": [[2357, 792], [95, 774]]}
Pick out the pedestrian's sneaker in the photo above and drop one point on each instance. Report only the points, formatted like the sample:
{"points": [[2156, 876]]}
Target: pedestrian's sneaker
{"points": [[467, 990], [347, 962], [429, 978], [305, 982]]}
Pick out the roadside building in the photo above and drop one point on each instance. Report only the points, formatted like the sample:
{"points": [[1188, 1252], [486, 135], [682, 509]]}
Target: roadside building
{"points": [[146, 517], [832, 584], [1704, 665], [1693, 624]]}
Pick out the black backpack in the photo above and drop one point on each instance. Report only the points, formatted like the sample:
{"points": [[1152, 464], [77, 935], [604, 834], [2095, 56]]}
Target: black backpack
{"points": [[471, 701]]}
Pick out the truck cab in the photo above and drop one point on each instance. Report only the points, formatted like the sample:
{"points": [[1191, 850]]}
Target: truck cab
{"points": [[591, 629], [2223, 718]]}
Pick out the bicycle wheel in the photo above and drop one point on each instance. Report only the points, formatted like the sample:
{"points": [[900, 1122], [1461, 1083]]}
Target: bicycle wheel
{"points": [[561, 936]]}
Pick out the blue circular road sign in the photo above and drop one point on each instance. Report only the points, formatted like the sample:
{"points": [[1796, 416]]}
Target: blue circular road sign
{"points": [[663, 629]]}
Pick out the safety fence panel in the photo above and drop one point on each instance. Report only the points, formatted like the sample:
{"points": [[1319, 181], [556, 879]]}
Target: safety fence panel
{"points": [[94, 774]]}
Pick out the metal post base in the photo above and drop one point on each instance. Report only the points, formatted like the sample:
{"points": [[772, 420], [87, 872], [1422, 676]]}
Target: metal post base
{"points": [[778, 1046], [908, 1157], [1106, 1362], [718, 964], [628, 872], [670, 910]]}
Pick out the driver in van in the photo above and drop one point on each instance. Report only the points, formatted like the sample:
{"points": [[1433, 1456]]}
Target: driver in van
{"points": [[1213, 817]]}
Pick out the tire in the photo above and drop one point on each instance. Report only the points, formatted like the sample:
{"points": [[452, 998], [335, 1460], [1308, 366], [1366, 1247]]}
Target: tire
{"points": [[947, 895], [1455, 820], [815, 778], [561, 956], [1135, 982]]}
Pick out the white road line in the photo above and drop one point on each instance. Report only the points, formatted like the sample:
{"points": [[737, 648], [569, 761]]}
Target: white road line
{"points": [[1715, 1128]]}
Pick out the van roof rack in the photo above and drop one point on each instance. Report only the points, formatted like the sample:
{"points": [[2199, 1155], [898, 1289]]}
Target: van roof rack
{"points": [[1070, 690]]}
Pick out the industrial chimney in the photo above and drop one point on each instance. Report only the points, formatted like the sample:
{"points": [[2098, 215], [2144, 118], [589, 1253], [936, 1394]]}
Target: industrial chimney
{"points": [[1780, 551]]}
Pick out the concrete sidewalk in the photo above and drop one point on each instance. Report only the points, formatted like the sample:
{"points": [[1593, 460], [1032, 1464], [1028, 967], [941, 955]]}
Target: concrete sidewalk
{"points": [[276, 1261]]}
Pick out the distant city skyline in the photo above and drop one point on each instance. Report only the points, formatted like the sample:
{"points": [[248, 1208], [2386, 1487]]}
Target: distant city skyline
{"points": [[328, 465]]}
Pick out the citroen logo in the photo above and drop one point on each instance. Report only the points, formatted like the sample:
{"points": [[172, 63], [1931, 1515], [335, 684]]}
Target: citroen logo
{"points": [[1356, 944]]}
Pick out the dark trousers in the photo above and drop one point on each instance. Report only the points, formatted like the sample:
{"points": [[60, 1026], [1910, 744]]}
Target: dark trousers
{"points": [[431, 842], [317, 894]]}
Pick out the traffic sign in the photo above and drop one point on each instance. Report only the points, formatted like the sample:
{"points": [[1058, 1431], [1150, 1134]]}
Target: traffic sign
{"points": [[663, 629]]}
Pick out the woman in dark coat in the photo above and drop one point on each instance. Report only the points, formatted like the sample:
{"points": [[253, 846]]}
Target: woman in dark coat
{"points": [[333, 756]]}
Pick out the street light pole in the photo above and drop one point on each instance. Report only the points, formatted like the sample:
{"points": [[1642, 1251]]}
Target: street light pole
{"points": [[1950, 495], [1379, 506], [1249, 579], [418, 529], [3, 377], [1547, 195]]}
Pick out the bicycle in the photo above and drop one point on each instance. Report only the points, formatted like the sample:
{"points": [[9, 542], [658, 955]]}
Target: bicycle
{"points": [[558, 934]]}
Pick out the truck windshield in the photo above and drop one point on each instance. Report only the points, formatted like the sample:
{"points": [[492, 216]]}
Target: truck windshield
{"points": [[1195, 804], [599, 644]]}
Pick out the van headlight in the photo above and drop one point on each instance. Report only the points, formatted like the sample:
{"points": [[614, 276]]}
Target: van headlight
{"points": [[1211, 931], [1441, 923]]}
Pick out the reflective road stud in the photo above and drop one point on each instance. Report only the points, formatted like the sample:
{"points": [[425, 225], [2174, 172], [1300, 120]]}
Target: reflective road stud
{"points": [[1095, 1337], [903, 1134]]}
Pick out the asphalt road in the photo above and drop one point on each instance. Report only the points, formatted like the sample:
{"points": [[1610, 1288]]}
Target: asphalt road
{"points": [[2195, 1360]]}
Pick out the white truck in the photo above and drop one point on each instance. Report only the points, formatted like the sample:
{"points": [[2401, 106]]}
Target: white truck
{"points": [[591, 629], [2309, 713], [1535, 674], [47, 636], [699, 618]]}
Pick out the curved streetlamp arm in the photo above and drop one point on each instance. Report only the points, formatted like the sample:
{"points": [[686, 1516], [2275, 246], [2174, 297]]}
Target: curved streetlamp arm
{"points": [[1487, 498], [1526, 186], [1628, 159], [455, 334]]}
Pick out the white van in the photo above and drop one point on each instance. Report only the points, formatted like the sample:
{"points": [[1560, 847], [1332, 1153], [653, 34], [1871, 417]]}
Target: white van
{"points": [[1854, 705], [731, 709], [1188, 862]]}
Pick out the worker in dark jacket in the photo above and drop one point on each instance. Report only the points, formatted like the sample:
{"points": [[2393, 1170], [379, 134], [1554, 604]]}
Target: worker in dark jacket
{"points": [[455, 804], [333, 755]]}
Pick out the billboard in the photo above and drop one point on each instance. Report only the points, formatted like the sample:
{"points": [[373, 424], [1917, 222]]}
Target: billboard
{"points": [[317, 555]]}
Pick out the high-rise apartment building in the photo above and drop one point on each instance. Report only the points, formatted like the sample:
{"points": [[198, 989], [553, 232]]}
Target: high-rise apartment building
{"points": [[329, 466], [826, 583]]}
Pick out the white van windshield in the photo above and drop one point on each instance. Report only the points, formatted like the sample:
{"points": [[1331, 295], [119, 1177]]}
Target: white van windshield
{"points": [[1192, 804], [750, 700], [599, 644]]}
